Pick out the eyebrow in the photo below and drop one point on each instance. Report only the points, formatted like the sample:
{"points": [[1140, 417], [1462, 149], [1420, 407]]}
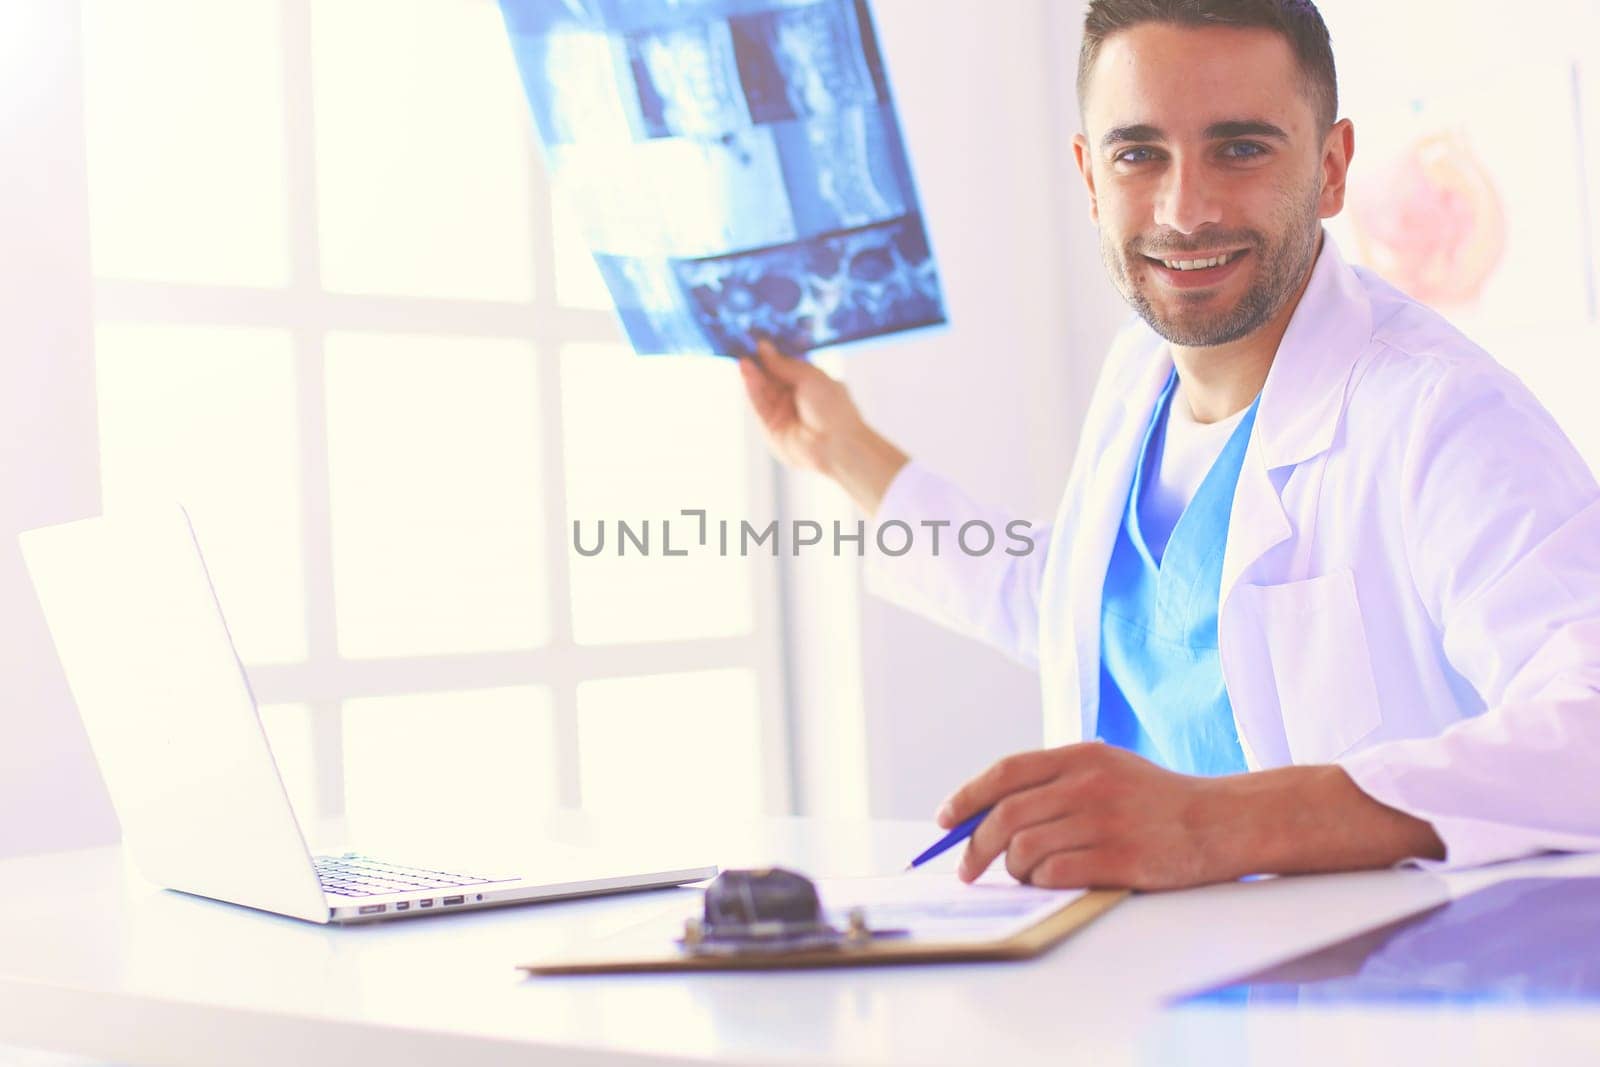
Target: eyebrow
{"points": [[1217, 131]]}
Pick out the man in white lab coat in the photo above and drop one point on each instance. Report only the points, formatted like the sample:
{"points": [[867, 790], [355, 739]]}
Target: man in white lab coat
{"points": [[1325, 575]]}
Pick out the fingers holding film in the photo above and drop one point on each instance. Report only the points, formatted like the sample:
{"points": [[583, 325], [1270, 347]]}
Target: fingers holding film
{"points": [[773, 404]]}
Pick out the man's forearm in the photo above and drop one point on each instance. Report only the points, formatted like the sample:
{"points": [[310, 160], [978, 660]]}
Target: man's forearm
{"points": [[1300, 820], [864, 462]]}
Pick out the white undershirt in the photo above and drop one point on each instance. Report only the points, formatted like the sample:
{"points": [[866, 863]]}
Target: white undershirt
{"points": [[1187, 450]]}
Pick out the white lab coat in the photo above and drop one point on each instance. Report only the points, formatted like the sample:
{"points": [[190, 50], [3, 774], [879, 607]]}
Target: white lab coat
{"points": [[1411, 586]]}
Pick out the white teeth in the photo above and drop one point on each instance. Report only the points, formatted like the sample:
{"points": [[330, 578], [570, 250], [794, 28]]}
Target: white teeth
{"points": [[1198, 264]]}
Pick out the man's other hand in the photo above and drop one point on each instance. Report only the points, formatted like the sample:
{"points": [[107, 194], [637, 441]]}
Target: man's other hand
{"points": [[1095, 815]]}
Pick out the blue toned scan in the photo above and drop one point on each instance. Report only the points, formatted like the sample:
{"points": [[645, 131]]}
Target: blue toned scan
{"points": [[735, 167]]}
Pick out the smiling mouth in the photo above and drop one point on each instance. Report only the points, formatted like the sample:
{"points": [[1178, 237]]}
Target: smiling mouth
{"points": [[1207, 262]]}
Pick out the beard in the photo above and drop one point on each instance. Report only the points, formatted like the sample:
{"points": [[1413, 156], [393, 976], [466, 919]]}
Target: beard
{"points": [[1281, 265]]}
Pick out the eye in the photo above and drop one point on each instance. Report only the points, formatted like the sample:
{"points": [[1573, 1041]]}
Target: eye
{"points": [[1135, 155], [1243, 150]]}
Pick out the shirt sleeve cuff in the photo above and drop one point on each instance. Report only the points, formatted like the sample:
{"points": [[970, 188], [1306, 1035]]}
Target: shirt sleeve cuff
{"points": [[915, 493], [1467, 842], [908, 493]]}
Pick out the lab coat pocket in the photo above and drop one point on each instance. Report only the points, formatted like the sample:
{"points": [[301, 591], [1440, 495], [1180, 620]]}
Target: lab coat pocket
{"points": [[1320, 665]]}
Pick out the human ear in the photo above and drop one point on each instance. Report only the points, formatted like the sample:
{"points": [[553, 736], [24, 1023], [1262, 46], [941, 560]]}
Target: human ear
{"points": [[1338, 148], [1080, 153]]}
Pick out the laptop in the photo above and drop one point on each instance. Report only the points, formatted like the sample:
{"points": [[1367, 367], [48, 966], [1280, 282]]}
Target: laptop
{"points": [[175, 730]]}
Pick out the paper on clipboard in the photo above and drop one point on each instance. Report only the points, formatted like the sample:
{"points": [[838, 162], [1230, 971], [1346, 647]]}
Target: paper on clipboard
{"points": [[936, 907]]}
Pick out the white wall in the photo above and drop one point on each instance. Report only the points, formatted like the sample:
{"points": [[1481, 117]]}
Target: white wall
{"points": [[50, 793], [1505, 59]]}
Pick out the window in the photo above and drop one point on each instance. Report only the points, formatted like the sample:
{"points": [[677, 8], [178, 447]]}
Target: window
{"points": [[339, 317]]}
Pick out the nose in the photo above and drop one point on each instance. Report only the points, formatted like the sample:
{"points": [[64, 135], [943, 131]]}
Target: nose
{"points": [[1186, 200]]}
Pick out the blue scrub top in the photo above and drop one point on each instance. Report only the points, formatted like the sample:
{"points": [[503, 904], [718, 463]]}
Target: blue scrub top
{"points": [[1161, 688]]}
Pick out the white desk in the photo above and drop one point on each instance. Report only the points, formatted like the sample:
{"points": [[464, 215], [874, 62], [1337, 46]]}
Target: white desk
{"points": [[94, 961]]}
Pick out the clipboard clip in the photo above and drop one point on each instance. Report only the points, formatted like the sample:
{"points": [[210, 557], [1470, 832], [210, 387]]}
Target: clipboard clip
{"points": [[769, 912]]}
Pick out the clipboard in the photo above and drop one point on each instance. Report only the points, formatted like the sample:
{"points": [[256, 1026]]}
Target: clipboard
{"points": [[650, 947]]}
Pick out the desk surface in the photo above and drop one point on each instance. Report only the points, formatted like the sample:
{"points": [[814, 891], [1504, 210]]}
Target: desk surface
{"points": [[95, 961]]}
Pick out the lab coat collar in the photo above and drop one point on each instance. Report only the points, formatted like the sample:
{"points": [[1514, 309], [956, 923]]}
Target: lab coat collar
{"points": [[1303, 395], [1301, 405]]}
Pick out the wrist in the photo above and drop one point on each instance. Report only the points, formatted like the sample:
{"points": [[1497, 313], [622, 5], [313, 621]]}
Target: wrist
{"points": [[863, 463], [1302, 820], [1226, 820]]}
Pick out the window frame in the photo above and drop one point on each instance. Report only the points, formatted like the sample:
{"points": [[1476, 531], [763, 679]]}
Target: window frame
{"points": [[308, 312]]}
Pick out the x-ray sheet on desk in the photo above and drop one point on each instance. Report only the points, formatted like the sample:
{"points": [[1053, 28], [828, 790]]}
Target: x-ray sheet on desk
{"points": [[736, 167]]}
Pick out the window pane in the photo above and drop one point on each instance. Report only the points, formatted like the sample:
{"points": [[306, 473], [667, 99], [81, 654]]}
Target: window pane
{"points": [[430, 761], [686, 742], [578, 281], [290, 733], [646, 439], [206, 416], [183, 112], [422, 150], [438, 531]]}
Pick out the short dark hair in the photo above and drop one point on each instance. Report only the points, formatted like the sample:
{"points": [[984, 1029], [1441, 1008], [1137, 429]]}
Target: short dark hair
{"points": [[1297, 21]]}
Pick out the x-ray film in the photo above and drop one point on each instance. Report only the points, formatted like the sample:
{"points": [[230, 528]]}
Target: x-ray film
{"points": [[736, 167]]}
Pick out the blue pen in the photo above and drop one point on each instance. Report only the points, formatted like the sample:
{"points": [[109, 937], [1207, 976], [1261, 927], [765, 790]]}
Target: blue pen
{"points": [[958, 834]]}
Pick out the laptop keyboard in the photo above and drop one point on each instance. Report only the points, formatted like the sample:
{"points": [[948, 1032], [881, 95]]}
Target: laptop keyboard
{"points": [[353, 875]]}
